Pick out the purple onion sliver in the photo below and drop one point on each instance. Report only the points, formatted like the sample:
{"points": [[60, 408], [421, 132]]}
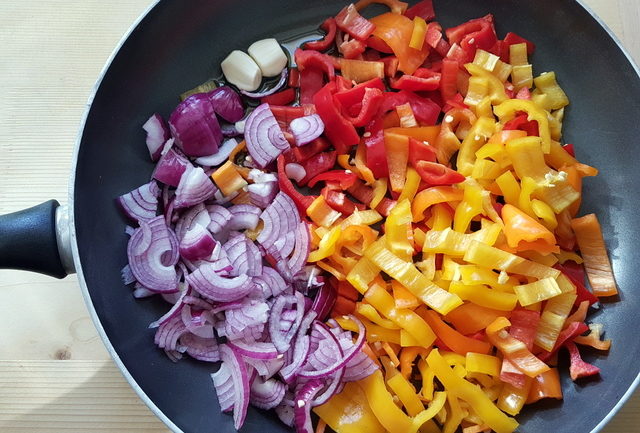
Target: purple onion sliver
{"points": [[306, 129], [157, 135]]}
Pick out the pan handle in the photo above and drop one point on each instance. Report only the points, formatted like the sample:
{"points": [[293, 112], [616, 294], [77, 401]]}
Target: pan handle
{"points": [[37, 239]]}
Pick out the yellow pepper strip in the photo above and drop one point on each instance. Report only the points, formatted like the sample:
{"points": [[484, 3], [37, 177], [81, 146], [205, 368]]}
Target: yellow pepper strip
{"points": [[564, 256], [527, 157], [481, 131], [426, 416], [456, 244], [484, 107], [379, 191], [321, 213], [538, 291], [527, 187], [327, 245], [493, 258], [512, 399], [492, 63], [398, 230], [513, 349], [594, 252], [553, 316], [455, 416], [228, 178], [496, 87], [522, 232], [374, 332], [484, 297], [522, 76], [545, 213], [471, 275], [361, 217], [428, 265], [410, 277], [508, 109], [349, 412], [434, 195], [362, 274], [418, 34], [477, 91], [441, 217], [547, 260], [406, 319], [546, 85], [332, 269], [427, 375], [343, 161], [509, 187], [470, 393], [406, 393], [558, 158], [366, 310], [470, 207], [481, 363], [411, 185], [559, 195], [361, 165], [403, 297], [518, 55]]}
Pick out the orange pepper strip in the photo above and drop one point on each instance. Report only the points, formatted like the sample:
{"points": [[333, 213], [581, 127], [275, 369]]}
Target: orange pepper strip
{"points": [[430, 196], [593, 339], [513, 349], [546, 385], [522, 231], [579, 315], [575, 180], [397, 149], [404, 298], [407, 118], [593, 251], [422, 133], [407, 358], [396, 31], [321, 426], [471, 318], [360, 160], [452, 338]]}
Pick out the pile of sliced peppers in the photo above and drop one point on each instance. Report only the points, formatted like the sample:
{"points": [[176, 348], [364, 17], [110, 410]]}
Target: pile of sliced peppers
{"points": [[444, 215]]}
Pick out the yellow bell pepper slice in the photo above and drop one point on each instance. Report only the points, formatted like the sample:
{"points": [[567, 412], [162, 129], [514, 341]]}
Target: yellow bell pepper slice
{"points": [[456, 244], [493, 258], [509, 187], [512, 399], [496, 87], [441, 217], [327, 245], [406, 393], [508, 109], [228, 178], [477, 91], [434, 195], [484, 297], [379, 191], [398, 231], [552, 320], [321, 213], [411, 185], [366, 310], [363, 274], [361, 217], [546, 85], [470, 207], [419, 32], [480, 132], [349, 412], [537, 291], [481, 363]]}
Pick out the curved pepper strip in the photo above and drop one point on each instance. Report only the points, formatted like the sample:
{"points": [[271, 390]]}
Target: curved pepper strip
{"points": [[513, 349], [496, 87], [350, 21], [478, 135], [396, 148], [349, 412], [522, 231], [415, 83], [396, 31], [405, 391], [509, 109], [411, 185], [473, 35], [470, 207], [327, 245], [397, 226], [453, 339], [430, 196], [483, 296], [470, 393], [370, 104], [435, 174], [301, 201], [545, 385], [339, 130], [329, 26]]}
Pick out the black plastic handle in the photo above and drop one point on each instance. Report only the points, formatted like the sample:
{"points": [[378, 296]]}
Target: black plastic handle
{"points": [[28, 240]]}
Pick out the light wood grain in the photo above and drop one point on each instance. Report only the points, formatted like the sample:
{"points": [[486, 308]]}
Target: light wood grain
{"points": [[51, 54]]}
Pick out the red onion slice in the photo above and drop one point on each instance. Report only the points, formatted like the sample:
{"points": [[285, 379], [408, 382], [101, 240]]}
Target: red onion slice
{"points": [[267, 394], [157, 135], [324, 301], [202, 349], [262, 194], [206, 281], [284, 75], [173, 312], [244, 216], [168, 334], [226, 103], [223, 384], [285, 413], [256, 350], [141, 203], [273, 281], [295, 171], [220, 217], [280, 218], [240, 376], [282, 337], [197, 243], [194, 187], [244, 256], [220, 156], [302, 248], [246, 322], [266, 368], [265, 140], [303, 404], [171, 167], [195, 127], [306, 129], [146, 249]]}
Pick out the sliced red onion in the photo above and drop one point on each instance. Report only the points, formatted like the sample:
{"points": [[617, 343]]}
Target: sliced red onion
{"points": [[197, 243], [266, 368], [244, 255], [267, 394], [300, 355], [206, 281], [284, 75], [220, 217], [142, 292], [127, 275], [306, 129], [219, 157], [265, 140], [223, 384], [285, 413], [226, 103], [198, 214], [273, 282], [360, 366], [256, 350], [168, 334], [173, 312], [295, 171], [324, 301], [333, 388], [141, 203], [173, 355], [244, 216], [195, 127], [230, 130], [303, 404], [282, 337], [198, 322], [280, 218], [157, 135], [202, 349], [247, 322], [302, 248], [146, 249], [171, 167], [194, 187], [240, 376], [262, 194]]}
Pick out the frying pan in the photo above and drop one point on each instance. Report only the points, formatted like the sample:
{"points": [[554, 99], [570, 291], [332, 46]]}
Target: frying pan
{"points": [[179, 44]]}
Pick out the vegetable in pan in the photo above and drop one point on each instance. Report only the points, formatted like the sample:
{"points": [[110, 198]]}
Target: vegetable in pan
{"points": [[398, 250]]}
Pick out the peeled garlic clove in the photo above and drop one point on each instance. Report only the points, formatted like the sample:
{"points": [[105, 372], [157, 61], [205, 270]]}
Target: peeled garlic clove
{"points": [[240, 70], [269, 56]]}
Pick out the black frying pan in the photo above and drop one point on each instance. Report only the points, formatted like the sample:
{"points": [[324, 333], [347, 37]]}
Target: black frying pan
{"points": [[180, 44]]}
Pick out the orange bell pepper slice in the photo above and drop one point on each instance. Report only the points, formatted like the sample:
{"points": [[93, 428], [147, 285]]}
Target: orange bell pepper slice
{"points": [[546, 385], [470, 318], [396, 31], [453, 339], [397, 148], [525, 233], [434, 195]]}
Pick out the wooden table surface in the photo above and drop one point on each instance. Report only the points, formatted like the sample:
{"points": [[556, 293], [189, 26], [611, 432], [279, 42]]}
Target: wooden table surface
{"points": [[55, 375]]}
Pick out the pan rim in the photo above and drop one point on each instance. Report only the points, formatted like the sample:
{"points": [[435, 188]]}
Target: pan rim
{"points": [[76, 255]]}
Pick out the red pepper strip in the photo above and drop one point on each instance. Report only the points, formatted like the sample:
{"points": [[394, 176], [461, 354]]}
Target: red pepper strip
{"points": [[305, 152], [524, 93], [301, 201], [342, 84], [338, 129], [350, 21], [352, 49], [311, 80], [456, 341], [285, 114], [434, 35], [330, 27], [449, 79], [524, 326], [371, 56], [424, 109], [583, 293], [423, 9], [355, 94], [376, 155], [280, 98], [570, 150], [318, 164], [514, 39], [416, 83], [420, 151], [437, 174], [340, 176], [310, 58], [510, 374], [472, 35], [364, 194], [567, 334], [456, 102], [522, 123], [378, 44], [458, 54], [497, 49], [294, 78], [369, 107], [339, 201], [390, 65], [579, 368]]}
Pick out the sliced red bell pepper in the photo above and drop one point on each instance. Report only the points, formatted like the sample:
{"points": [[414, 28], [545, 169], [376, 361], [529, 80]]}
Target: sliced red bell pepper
{"points": [[318, 164], [420, 151], [514, 39], [424, 109], [330, 27], [283, 97], [342, 84], [352, 49], [301, 201], [302, 153], [364, 194], [390, 65], [311, 81], [434, 34], [341, 177], [456, 102], [355, 94], [579, 368], [350, 21], [576, 276], [423, 9], [570, 150], [310, 58], [294, 78], [340, 202], [437, 174], [567, 334], [376, 154], [497, 49], [368, 108], [522, 123], [457, 54], [472, 35], [285, 114], [419, 81], [524, 326], [339, 130], [524, 93], [449, 79]]}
